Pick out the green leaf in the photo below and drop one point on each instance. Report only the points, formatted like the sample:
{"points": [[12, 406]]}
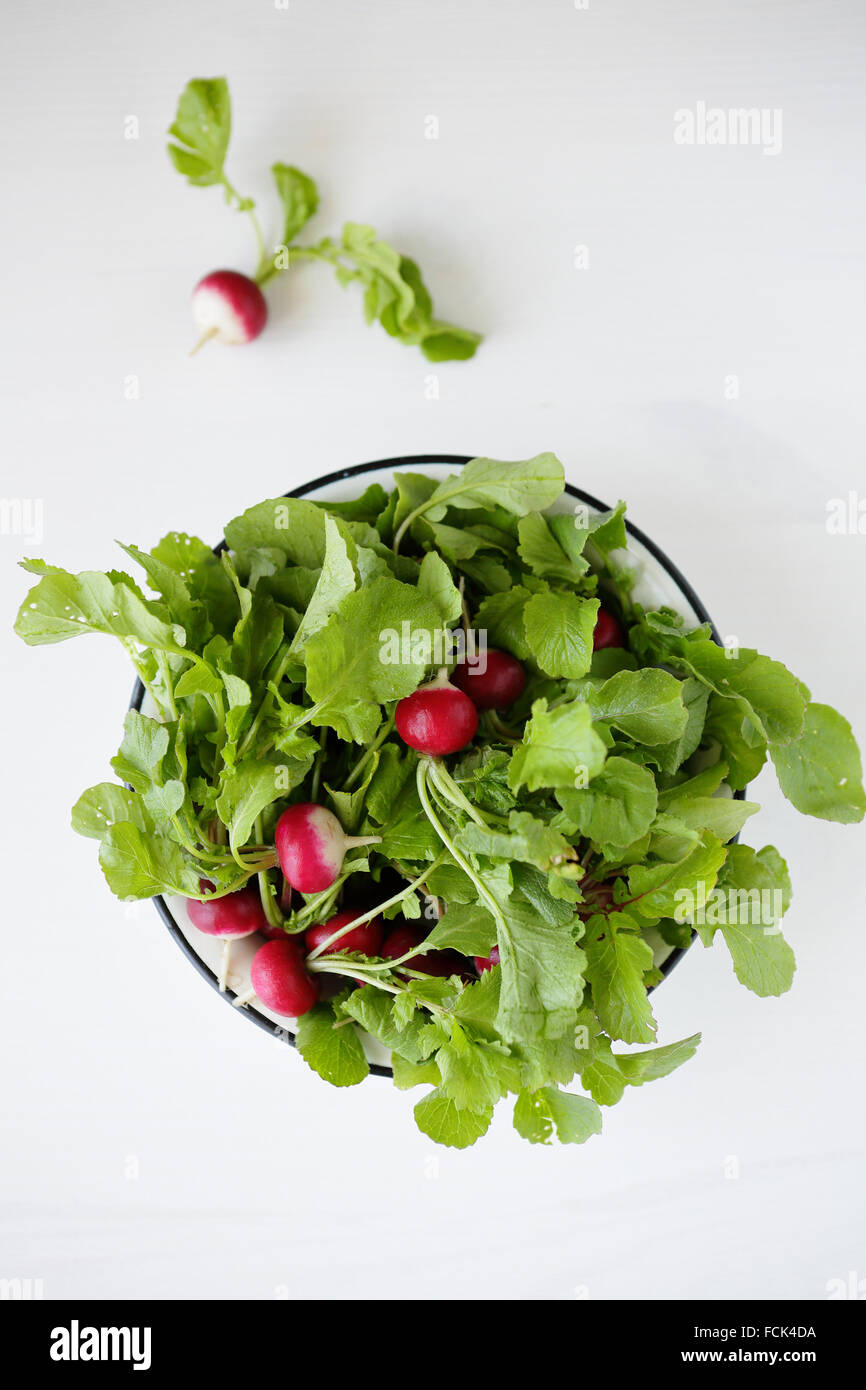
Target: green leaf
{"points": [[292, 526], [202, 574], [656, 1062], [559, 630], [560, 748], [528, 839], [663, 889], [164, 802], [334, 1052], [200, 679], [601, 1074], [435, 582], [202, 128], [140, 864], [671, 756], [820, 772], [526, 486], [409, 1074], [469, 929], [299, 197], [102, 806], [336, 580], [247, 789], [763, 960], [394, 293], [617, 807], [616, 959], [766, 689], [365, 656], [755, 891], [375, 1013], [723, 815], [64, 605], [173, 589], [145, 744], [540, 549], [743, 745], [392, 771], [542, 976], [472, 1074], [646, 705], [537, 1114], [501, 616], [440, 1119]]}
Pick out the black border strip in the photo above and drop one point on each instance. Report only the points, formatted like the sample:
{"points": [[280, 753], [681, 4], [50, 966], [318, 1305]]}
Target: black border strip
{"points": [[413, 461]]}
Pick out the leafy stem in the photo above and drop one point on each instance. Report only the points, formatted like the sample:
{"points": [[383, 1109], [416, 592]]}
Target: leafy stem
{"points": [[269, 902], [456, 854], [374, 911], [368, 753]]}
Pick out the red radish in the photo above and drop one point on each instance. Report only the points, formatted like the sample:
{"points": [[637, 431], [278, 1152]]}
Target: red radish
{"points": [[232, 917], [608, 632], [403, 939], [483, 963], [367, 938], [228, 306], [235, 915], [311, 845], [492, 680], [279, 979], [273, 933], [438, 718]]}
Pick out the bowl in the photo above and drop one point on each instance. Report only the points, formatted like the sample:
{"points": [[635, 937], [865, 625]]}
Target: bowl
{"points": [[657, 582]]}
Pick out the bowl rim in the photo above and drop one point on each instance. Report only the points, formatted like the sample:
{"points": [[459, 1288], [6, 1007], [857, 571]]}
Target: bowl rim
{"points": [[411, 461]]}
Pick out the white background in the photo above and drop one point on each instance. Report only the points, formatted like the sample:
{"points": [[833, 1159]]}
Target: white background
{"points": [[555, 131]]}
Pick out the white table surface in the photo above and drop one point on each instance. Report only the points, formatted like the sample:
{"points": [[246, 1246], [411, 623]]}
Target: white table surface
{"points": [[157, 1145]]}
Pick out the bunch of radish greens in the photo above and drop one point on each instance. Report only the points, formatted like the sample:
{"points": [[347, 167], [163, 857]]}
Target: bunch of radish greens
{"points": [[479, 861], [229, 307]]}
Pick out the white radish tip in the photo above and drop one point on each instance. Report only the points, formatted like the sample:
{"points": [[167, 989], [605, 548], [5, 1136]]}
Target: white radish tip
{"points": [[205, 338]]}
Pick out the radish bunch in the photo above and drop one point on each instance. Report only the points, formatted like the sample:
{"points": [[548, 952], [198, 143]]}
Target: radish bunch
{"points": [[229, 307]]}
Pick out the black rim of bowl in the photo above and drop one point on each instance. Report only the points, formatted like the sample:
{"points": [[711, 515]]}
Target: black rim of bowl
{"points": [[410, 461]]}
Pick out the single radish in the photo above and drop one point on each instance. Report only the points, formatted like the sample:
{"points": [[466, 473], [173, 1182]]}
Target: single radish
{"points": [[492, 680], [236, 915], [483, 963], [367, 938], [228, 306], [273, 933], [607, 633], [437, 718], [311, 845], [278, 977], [231, 918], [403, 939]]}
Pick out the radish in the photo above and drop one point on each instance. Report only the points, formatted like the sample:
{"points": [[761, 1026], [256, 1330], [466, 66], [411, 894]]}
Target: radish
{"points": [[402, 940], [232, 917], [228, 306], [236, 915], [367, 938], [438, 718], [278, 977], [273, 933], [493, 681], [483, 963], [608, 632], [311, 845]]}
